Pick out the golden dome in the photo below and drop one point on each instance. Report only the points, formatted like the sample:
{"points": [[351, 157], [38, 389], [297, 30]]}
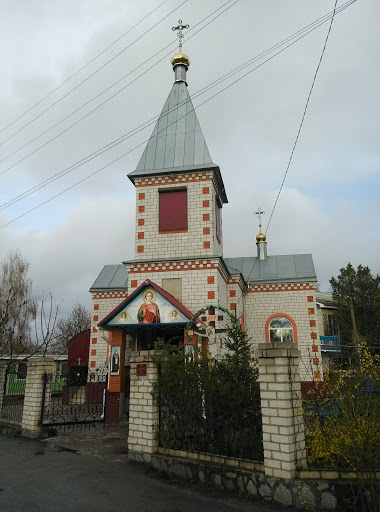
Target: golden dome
{"points": [[181, 58], [260, 238]]}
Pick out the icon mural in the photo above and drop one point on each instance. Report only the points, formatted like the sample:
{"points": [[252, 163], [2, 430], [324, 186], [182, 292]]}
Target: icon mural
{"points": [[148, 308], [115, 360], [149, 312]]}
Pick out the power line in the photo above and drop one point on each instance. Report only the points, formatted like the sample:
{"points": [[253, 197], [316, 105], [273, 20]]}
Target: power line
{"points": [[303, 116], [92, 74], [152, 120], [301, 124], [83, 67], [105, 90], [145, 141]]}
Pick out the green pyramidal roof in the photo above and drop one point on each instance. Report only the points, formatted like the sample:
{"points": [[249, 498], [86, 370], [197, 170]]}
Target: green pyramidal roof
{"points": [[177, 141]]}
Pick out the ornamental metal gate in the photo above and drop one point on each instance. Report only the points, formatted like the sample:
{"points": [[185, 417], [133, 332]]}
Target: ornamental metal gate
{"points": [[75, 401]]}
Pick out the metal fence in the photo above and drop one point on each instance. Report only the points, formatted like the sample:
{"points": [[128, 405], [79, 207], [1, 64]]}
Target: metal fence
{"points": [[12, 404], [203, 409]]}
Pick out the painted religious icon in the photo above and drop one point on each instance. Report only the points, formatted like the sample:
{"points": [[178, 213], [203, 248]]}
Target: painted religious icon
{"points": [[148, 312], [115, 360]]}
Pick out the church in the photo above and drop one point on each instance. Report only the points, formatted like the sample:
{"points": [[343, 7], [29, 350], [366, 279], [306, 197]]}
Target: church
{"points": [[179, 267]]}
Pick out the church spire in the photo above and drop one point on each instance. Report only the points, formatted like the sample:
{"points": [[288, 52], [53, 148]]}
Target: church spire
{"points": [[261, 239], [180, 61]]}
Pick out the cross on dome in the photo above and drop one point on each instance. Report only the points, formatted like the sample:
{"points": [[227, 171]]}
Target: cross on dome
{"points": [[180, 35]]}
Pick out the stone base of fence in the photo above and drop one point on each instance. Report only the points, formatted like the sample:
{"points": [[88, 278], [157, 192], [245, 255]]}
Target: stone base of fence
{"points": [[297, 493]]}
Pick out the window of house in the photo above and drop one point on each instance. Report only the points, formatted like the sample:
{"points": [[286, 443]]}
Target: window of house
{"points": [[218, 218], [281, 329], [173, 210]]}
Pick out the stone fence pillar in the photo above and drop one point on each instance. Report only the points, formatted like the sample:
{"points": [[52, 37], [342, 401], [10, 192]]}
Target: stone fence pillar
{"points": [[143, 414], [37, 366], [281, 407]]}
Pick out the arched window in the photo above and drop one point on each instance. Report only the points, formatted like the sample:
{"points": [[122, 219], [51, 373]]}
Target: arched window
{"points": [[281, 327]]}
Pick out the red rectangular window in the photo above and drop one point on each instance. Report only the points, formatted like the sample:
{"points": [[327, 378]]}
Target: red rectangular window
{"points": [[173, 210]]}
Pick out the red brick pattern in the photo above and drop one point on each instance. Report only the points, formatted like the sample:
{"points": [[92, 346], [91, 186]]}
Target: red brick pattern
{"points": [[310, 311], [206, 216], [232, 293], [281, 287], [312, 323], [167, 180], [206, 190], [210, 280], [141, 222], [110, 295], [310, 298], [96, 307], [206, 204], [96, 318], [206, 231], [313, 335], [233, 305], [141, 209], [211, 295], [94, 341], [93, 364], [142, 195], [314, 348], [316, 361], [206, 245], [140, 235], [93, 352], [169, 266], [133, 283], [140, 248]]}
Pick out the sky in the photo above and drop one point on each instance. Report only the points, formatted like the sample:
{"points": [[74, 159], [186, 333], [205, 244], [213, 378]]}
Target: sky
{"points": [[329, 205]]}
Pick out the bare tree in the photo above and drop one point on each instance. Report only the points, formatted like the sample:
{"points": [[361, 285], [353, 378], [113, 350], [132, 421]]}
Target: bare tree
{"points": [[17, 307], [78, 321], [27, 325]]}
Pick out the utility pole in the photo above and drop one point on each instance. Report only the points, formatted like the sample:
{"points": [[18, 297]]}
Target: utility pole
{"points": [[353, 320]]}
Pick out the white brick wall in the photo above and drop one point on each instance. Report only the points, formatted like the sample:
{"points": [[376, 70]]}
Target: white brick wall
{"points": [[176, 245], [260, 305]]}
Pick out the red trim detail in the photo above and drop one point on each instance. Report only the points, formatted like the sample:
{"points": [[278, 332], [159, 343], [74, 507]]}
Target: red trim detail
{"points": [[316, 360], [167, 232], [141, 209], [96, 307], [310, 298], [96, 318], [206, 190], [141, 222], [313, 335], [142, 195], [206, 231], [233, 305], [286, 316], [93, 352], [211, 295], [206, 216], [134, 283], [140, 248], [93, 364], [210, 280], [140, 235], [312, 323], [206, 245], [206, 204], [232, 293], [310, 311], [94, 341], [314, 348]]}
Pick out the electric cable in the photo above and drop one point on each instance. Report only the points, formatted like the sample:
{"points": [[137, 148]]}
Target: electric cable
{"points": [[92, 74], [149, 122], [301, 124], [145, 141], [111, 97], [303, 118], [83, 67]]}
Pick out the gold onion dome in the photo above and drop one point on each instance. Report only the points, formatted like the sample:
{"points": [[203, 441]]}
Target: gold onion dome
{"points": [[260, 238], [181, 58]]}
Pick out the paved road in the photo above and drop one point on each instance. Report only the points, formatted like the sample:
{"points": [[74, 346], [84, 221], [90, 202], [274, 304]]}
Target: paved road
{"points": [[37, 478]]}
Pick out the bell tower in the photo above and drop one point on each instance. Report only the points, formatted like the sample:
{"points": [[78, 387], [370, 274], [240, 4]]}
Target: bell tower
{"points": [[179, 190]]}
